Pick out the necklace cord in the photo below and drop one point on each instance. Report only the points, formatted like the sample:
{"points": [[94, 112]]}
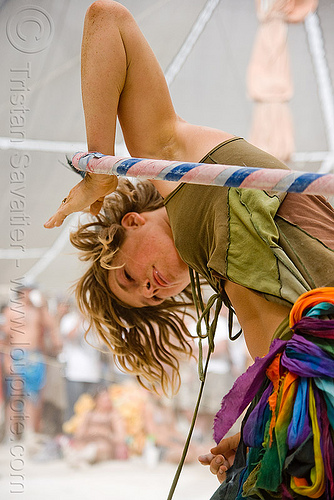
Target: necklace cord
{"points": [[203, 313]]}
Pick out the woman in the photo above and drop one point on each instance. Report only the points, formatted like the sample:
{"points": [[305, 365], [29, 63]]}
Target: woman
{"points": [[249, 245]]}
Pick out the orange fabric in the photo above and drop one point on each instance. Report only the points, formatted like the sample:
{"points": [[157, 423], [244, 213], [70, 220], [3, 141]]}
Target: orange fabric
{"points": [[310, 299], [273, 373], [300, 481], [288, 392]]}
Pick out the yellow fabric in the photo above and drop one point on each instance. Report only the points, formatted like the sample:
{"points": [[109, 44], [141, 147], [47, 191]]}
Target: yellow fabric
{"points": [[317, 476]]}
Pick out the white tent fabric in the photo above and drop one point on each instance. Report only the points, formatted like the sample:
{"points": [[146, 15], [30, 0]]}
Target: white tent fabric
{"points": [[204, 47]]}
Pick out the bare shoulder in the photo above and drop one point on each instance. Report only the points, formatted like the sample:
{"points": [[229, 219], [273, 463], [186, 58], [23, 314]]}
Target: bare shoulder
{"points": [[191, 143], [164, 187]]}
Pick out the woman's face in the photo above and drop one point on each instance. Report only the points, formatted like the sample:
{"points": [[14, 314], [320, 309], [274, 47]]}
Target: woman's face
{"points": [[149, 268]]}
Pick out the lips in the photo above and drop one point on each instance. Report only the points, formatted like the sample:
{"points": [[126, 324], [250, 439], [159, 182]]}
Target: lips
{"points": [[159, 279]]}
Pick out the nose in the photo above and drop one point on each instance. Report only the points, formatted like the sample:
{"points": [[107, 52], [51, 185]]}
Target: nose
{"points": [[149, 290]]}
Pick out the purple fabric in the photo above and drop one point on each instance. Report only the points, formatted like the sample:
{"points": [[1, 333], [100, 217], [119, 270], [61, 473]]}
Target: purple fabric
{"points": [[311, 359], [253, 432], [315, 327], [285, 493], [306, 359], [243, 391]]}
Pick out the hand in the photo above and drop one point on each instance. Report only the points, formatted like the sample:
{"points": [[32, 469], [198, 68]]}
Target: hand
{"points": [[90, 192], [221, 457]]}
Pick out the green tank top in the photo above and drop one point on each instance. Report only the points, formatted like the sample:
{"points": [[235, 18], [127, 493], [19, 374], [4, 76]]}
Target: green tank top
{"points": [[240, 235]]}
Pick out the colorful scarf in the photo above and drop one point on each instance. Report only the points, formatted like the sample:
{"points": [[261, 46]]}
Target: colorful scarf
{"points": [[288, 431]]}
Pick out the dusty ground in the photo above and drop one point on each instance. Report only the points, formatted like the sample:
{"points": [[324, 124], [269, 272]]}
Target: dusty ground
{"points": [[20, 477]]}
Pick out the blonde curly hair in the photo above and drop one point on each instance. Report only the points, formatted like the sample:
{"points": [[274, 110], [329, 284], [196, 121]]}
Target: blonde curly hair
{"points": [[147, 341]]}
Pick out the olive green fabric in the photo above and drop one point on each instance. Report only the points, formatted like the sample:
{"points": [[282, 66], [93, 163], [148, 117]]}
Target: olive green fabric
{"points": [[239, 234], [283, 331]]}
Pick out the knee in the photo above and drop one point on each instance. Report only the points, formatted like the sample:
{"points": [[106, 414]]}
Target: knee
{"points": [[107, 9]]}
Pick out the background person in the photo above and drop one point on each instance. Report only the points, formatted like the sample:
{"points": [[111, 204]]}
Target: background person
{"points": [[100, 436], [25, 370], [83, 369]]}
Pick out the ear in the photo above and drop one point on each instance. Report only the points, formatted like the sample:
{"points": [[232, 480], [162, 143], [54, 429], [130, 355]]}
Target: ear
{"points": [[133, 220]]}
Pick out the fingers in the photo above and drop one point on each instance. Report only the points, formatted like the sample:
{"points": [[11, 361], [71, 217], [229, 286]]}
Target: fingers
{"points": [[227, 445], [96, 206], [206, 459], [90, 192], [58, 218], [221, 476], [221, 457], [218, 465], [74, 202]]}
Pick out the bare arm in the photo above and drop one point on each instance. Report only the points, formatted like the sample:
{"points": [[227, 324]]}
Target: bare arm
{"points": [[258, 317], [121, 77]]}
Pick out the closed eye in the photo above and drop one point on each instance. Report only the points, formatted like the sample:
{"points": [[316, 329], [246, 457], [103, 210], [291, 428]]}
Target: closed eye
{"points": [[157, 299], [127, 276]]}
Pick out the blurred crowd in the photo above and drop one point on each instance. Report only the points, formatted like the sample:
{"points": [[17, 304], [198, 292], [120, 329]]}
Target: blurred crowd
{"points": [[62, 395]]}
